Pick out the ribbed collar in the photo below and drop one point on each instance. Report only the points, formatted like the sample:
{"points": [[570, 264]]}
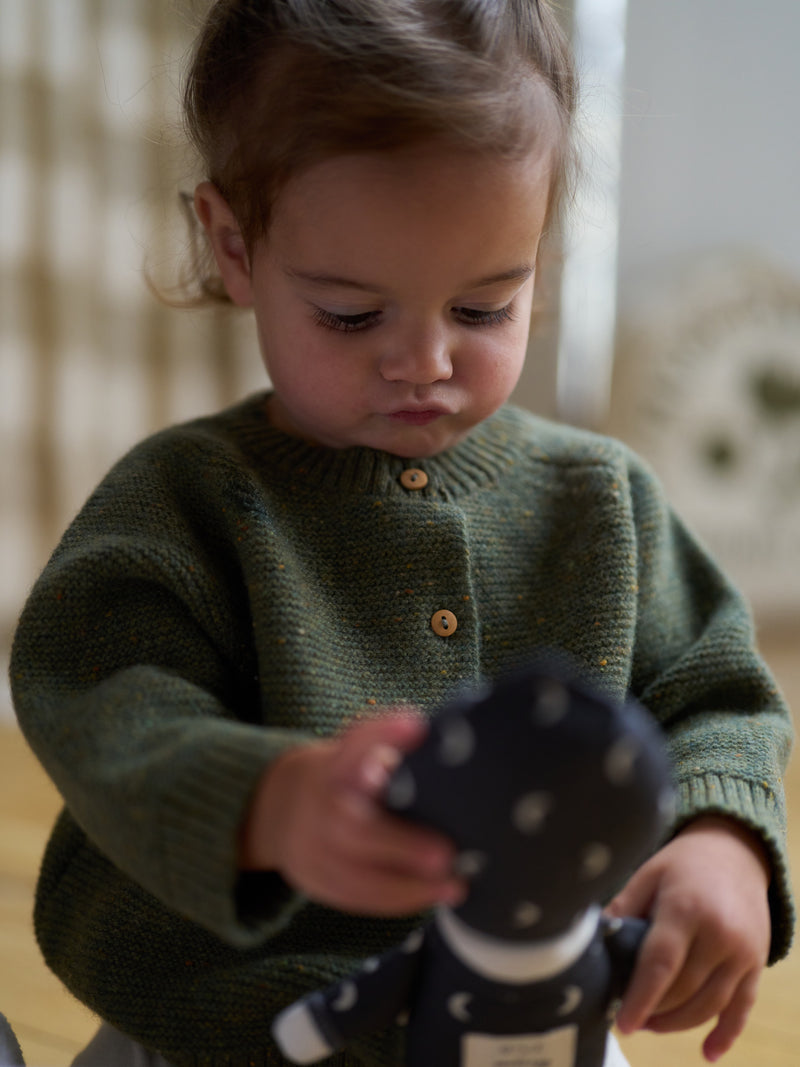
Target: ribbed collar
{"points": [[476, 462]]}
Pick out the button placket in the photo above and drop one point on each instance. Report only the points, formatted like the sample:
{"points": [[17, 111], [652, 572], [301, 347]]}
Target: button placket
{"points": [[444, 622]]}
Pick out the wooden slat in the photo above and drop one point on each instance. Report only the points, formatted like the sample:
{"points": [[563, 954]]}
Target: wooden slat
{"points": [[91, 139]]}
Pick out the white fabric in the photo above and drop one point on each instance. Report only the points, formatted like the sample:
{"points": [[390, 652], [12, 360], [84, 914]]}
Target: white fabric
{"points": [[521, 962], [614, 1055], [297, 1035]]}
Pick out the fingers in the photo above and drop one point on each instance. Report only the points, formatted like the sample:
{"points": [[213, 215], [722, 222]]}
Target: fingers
{"points": [[688, 972], [371, 890], [692, 1001], [661, 960], [341, 847], [733, 1019], [661, 954], [363, 833], [636, 898], [720, 995], [705, 896], [361, 859], [370, 751]]}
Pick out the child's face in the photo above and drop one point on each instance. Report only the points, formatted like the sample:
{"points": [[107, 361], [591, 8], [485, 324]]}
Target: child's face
{"points": [[393, 294]]}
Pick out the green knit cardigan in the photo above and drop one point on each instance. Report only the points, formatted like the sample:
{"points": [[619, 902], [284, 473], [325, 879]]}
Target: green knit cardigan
{"points": [[228, 592]]}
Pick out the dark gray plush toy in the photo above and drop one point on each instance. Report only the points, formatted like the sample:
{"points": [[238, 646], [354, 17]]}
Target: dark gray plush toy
{"points": [[553, 795]]}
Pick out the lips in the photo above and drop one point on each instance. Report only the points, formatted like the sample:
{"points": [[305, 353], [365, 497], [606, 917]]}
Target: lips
{"points": [[417, 416]]}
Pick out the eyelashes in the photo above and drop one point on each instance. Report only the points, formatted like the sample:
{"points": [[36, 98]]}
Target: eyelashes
{"points": [[345, 323], [473, 317], [364, 321]]}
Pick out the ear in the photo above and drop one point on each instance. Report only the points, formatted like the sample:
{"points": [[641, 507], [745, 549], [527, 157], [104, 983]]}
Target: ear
{"points": [[227, 242]]}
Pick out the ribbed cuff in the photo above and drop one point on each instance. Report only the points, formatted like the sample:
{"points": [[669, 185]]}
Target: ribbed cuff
{"points": [[759, 808], [200, 833]]}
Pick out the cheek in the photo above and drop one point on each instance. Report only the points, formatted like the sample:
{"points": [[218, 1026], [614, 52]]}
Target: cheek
{"points": [[503, 361], [312, 378], [507, 348], [514, 359], [508, 374]]}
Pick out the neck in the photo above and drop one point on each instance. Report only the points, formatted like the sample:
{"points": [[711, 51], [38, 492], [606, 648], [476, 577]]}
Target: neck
{"points": [[513, 963]]}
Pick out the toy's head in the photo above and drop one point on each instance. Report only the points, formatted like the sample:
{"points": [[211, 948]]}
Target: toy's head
{"points": [[552, 794]]}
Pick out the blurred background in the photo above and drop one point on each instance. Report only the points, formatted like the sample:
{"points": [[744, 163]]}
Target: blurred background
{"points": [[92, 162], [669, 316]]}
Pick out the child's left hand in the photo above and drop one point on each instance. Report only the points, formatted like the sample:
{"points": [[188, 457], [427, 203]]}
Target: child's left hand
{"points": [[706, 895]]}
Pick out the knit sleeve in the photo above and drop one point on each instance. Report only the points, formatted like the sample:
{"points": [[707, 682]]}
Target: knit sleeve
{"points": [[696, 667], [134, 681]]}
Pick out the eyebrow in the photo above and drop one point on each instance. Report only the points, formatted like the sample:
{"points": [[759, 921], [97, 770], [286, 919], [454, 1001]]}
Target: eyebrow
{"points": [[336, 281]]}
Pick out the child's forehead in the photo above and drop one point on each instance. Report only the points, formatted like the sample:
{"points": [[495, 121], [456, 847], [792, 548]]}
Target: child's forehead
{"points": [[387, 206], [410, 172]]}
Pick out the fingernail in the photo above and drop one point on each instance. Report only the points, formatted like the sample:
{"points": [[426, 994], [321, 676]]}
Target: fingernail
{"points": [[388, 756], [378, 765], [373, 774]]}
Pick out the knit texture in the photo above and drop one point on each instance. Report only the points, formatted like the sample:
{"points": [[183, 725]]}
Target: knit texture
{"points": [[228, 592]]}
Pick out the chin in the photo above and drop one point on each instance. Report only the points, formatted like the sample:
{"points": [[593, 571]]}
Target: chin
{"points": [[422, 445], [419, 450]]}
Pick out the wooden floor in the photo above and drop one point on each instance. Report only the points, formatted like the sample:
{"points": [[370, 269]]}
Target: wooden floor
{"points": [[51, 1026]]}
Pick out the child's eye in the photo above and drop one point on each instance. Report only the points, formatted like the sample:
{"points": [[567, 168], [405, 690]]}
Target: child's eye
{"points": [[474, 317], [345, 323]]}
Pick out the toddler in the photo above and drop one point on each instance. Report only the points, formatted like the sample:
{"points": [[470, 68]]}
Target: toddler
{"points": [[249, 618]]}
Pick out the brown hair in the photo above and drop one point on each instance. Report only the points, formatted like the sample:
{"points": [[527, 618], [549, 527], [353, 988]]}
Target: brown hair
{"points": [[277, 85]]}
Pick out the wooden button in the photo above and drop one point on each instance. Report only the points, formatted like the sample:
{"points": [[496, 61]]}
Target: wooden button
{"points": [[413, 478], [444, 623]]}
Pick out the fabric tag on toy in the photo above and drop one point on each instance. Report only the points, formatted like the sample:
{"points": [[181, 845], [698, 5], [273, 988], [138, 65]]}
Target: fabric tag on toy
{"points": [[556, 1048]]}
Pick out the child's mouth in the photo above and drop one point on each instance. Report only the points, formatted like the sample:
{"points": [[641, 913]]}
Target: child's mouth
{"points": [[416, 418]]}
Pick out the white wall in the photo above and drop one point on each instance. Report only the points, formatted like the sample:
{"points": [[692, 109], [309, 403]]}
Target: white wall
{"points": [[711, 149], [711, 166]]}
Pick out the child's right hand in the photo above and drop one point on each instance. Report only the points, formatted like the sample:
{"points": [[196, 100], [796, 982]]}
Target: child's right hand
{"points": [[316, 817]]}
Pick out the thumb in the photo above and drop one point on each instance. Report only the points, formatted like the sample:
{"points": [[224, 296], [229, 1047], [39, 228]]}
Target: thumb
{"points": [[371, 750], [636, 898]]}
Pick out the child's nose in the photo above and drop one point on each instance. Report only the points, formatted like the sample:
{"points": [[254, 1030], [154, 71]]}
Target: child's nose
{"points": [[421, 360]]}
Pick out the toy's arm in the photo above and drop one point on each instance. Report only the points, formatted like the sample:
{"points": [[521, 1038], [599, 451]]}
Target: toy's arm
{"points": [[324, 1022]]}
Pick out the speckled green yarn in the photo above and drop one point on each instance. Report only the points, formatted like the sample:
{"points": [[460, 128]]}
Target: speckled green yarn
{"points": [[229, 591]]}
